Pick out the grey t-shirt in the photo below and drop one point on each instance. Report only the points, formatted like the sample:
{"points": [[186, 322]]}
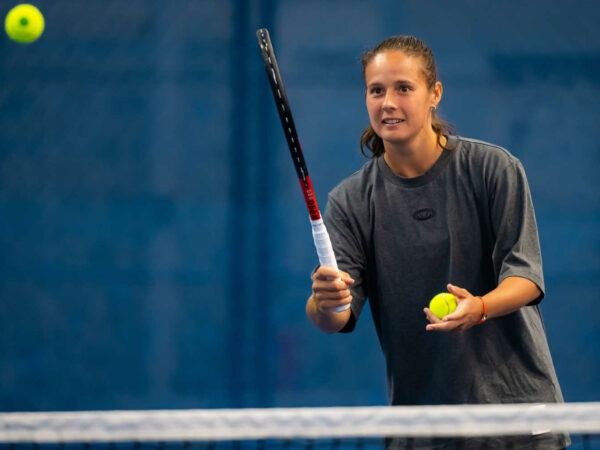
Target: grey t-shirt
{"points": [[468, 221]]}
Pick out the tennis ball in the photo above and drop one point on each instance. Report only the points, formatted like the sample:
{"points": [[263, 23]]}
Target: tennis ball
{"points": [[442, 304], [24, 23]]}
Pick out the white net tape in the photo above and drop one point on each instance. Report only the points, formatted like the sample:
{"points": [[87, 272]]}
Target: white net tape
{"points": [[275, 423]]}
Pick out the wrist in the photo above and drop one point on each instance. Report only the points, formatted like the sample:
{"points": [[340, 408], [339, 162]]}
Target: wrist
{"points": [[484, 312]]}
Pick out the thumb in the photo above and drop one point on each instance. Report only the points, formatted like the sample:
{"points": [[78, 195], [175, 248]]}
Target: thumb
{"points": [[346, 278], [458, 292]]}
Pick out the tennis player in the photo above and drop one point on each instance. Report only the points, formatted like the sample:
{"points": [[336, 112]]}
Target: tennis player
{"points": [[427, 209]]}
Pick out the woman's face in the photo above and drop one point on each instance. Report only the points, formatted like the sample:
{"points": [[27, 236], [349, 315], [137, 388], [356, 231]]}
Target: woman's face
{"points": [[398, 100]]}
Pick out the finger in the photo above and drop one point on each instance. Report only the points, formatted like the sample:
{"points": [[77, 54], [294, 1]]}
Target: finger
{"points": [[453, 317], [331, 288], [445, 325], [334, 286], [442, 326], [326, 300], [333, 305], [324, 273], [327, 282], [346, 278], [458, 314], [431, 317], [458, 291], [450, 323]]}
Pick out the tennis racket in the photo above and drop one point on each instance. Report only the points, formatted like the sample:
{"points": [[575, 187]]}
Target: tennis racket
{"points": [[319, 232]]}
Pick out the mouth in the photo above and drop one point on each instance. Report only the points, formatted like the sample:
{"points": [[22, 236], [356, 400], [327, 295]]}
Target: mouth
{"points": [[392, 121]]}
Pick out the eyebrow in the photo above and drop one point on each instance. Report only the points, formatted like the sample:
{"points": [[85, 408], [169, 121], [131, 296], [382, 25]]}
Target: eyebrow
{"points": [[401, 81]]}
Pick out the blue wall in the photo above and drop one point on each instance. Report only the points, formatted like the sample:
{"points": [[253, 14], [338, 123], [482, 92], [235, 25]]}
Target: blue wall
{"points": [[154, 248]]}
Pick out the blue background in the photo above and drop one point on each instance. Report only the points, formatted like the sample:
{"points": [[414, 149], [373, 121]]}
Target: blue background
{"points": [[155, 250]]}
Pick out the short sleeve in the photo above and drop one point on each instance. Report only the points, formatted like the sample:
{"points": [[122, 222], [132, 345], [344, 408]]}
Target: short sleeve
{"points": [[517, 249], [348, 249]]}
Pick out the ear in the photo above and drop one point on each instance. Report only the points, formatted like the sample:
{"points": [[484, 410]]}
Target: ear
{"points": [[437, 94]]}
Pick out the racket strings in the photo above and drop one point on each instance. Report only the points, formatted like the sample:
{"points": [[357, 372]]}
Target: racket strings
{"points": [[285, 113]]}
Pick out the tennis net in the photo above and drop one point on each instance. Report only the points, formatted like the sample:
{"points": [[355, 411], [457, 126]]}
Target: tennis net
{"points": [[459, 426]]}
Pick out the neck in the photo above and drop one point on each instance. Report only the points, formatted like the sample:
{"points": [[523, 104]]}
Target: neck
{"points": [[414, 159]]}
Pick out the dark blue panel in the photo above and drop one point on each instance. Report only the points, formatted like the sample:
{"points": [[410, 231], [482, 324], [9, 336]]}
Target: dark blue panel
{"points": [[155, 250]]}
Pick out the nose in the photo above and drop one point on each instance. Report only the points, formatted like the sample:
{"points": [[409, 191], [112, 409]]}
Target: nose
{"points": [[389, 100]]}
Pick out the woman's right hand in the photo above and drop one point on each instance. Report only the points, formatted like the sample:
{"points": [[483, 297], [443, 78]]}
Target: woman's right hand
{"points": [[330, 289]]}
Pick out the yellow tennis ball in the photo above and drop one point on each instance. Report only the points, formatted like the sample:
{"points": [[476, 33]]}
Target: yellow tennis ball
{"points": [[24, 23], [442, 304]]}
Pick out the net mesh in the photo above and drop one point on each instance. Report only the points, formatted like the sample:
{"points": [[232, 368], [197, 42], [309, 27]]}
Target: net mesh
{"points": [[460, 426]]}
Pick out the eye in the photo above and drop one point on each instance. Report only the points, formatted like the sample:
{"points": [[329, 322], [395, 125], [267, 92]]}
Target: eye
{"points": [[376, 90], [404, 88]]}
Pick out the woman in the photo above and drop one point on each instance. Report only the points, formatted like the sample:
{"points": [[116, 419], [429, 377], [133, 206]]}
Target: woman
{"points": [[428, 209]]}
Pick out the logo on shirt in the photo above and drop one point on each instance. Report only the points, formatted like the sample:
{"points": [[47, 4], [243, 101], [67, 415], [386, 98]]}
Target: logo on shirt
{"points": [[424, 214]]}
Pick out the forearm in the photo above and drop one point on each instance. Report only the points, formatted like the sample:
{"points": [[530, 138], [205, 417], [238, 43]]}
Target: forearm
{"points": [[328, 321], [510, 295]]}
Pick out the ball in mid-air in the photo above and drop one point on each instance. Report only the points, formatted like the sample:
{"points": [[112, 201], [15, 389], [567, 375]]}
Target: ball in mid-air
{"points": [[442, 304], [24, 23]]}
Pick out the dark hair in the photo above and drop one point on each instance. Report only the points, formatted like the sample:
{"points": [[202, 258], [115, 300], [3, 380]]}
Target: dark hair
{"points": [[413, 47]]}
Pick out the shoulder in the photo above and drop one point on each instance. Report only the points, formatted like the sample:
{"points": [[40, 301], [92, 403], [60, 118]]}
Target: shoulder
{"points": [[358, 183], [478, 159], [480, 152], [489, 168]]}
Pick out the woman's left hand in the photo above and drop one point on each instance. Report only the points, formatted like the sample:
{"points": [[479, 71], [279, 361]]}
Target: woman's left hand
{"points": [[469, 312]]}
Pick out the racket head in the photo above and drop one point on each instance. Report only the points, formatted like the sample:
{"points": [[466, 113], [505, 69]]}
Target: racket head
{"points": [[320, 235], [287, 120]]}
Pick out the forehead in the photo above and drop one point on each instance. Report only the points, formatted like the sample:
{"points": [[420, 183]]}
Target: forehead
{"points": [[393, 65]]}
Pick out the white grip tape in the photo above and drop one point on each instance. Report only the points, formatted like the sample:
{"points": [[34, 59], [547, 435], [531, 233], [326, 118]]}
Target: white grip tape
{"points": [[325, 250], [323, 244]]}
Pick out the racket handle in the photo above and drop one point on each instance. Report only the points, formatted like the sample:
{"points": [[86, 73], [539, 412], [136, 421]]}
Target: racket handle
{"points": [[325, 250], [323, 244]]}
